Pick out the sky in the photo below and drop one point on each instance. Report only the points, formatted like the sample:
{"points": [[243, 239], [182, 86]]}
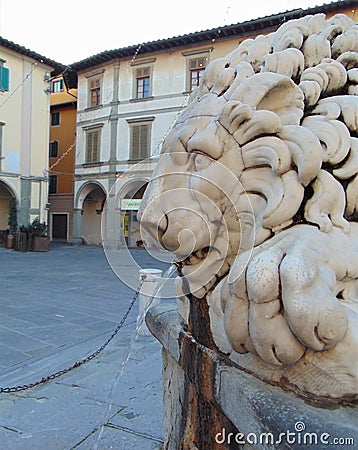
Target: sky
{"points": [[68, 31]]}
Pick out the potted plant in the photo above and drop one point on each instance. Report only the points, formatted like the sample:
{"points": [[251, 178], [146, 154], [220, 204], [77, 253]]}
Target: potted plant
{"points": [[40, 240], [12, 222], [24, 238]]}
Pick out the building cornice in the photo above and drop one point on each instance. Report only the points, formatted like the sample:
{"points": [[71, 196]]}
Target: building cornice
{"points": [[198, 38]]}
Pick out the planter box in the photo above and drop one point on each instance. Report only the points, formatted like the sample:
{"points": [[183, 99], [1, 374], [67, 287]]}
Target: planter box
{"points": [[22, 241], [40, 244], [3, 236]]}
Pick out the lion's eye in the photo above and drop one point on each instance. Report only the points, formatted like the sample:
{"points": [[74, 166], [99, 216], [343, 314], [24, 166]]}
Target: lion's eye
{"points": [[201, 161]]}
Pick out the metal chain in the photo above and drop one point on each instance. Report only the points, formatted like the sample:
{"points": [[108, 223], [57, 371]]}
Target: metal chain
{"points": [[43, 380]]}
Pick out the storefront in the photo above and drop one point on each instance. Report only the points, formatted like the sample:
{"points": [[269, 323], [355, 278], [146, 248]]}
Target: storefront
{"points": [[129, 223]]}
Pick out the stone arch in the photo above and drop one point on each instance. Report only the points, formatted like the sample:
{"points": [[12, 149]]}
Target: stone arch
{"points": [[133, 188], [127, 202], [119, 225], [129, 197], [85, 189], [89, 202], [6, 194]]}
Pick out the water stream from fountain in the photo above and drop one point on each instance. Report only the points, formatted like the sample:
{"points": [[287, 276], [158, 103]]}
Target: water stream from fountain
{"points": [[106, 415]]}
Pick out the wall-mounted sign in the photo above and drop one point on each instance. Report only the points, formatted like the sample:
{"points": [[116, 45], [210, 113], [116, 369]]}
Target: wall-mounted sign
{"points": [[130, 204]]}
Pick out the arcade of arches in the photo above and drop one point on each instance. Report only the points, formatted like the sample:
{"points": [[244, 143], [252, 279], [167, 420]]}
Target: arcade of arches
{"points": [[88, 214], [5, 196]]}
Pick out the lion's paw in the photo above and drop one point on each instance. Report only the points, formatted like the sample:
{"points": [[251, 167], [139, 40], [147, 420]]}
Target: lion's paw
{"points": [[290, 295]]}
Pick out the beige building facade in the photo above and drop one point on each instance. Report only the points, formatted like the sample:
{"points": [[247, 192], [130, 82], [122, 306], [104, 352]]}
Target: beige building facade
{"points": [[24, 132], [128, 99], [118, 139]]}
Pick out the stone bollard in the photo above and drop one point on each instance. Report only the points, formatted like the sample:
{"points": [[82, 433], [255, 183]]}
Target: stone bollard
{"points": [[151, 280]]}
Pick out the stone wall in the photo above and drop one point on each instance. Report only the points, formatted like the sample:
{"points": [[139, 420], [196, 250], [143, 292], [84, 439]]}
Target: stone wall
{"points": [[210, 403]]}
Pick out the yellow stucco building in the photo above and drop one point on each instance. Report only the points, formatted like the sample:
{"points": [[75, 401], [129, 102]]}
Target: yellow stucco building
{"points": [[24, 132]]}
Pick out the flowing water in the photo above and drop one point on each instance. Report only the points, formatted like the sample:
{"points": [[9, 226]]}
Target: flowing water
{"points": [[161, 282]]}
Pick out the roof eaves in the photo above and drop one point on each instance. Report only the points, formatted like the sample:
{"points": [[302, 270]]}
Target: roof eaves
{"points": [[57, 67], [240, 28]]}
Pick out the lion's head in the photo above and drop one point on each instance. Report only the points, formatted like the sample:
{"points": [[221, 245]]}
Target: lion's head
{"points": [[266, 141]]}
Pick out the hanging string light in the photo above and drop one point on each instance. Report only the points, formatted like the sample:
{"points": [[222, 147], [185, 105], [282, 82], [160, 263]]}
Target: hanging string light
{"points": [[95, 115], [19, 85]]}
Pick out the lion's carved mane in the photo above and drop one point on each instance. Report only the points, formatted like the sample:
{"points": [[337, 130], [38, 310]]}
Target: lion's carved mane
{"points": [[289, 101]]}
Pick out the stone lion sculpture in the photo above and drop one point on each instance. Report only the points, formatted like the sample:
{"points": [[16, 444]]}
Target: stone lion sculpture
{"points": [[256, 191]]}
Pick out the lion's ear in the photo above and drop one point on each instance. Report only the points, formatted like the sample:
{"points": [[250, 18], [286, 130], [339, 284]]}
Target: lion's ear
{"points": [[246, 124], [272, 92]]}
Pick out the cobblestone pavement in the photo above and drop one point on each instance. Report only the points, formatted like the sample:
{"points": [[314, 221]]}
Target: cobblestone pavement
{"points": [[56, 308]]}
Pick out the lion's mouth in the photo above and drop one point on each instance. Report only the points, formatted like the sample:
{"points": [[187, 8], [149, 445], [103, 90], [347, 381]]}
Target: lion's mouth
{"points": [[201, 271], [193, 259]]}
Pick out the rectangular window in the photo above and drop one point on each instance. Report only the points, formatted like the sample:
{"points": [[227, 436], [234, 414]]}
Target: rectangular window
{"points": [[143, 82], [140, 141], [92, 146], [55, 118], [1, 146], [52, 189], [53, 149], [57, 86], [196, 67], [95, 92], [4, 78]]}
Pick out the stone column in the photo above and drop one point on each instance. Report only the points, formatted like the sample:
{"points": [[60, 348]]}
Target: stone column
{"points": [[77, 221], [25, 199]]}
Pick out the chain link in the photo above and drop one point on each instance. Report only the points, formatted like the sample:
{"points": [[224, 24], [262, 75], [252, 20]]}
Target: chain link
{"points": [[88, 358]]}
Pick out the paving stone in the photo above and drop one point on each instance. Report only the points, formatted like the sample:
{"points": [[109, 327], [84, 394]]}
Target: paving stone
{"points": [[53, 318]]}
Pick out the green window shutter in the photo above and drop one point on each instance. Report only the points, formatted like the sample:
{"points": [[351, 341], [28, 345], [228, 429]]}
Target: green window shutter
{"points": [[4, 78], [139, 142], [89, 147], [135, 142], [92, 146], [95, 146], [143, 141]]}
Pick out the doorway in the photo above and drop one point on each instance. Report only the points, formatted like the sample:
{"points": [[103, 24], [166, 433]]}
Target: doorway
{"points": [[59, 227]]}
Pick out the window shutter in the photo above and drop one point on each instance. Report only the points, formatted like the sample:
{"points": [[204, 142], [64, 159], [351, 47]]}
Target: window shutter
{"points": [[135, 141], [4, 78], [92, 154], [144, 141], [95, 146], [140, 142], [89, 147]]}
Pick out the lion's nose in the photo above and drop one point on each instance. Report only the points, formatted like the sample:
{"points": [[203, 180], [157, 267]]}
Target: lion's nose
{"points": [[180, 239], [154, 225], [175, 234], [181, 243]]}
